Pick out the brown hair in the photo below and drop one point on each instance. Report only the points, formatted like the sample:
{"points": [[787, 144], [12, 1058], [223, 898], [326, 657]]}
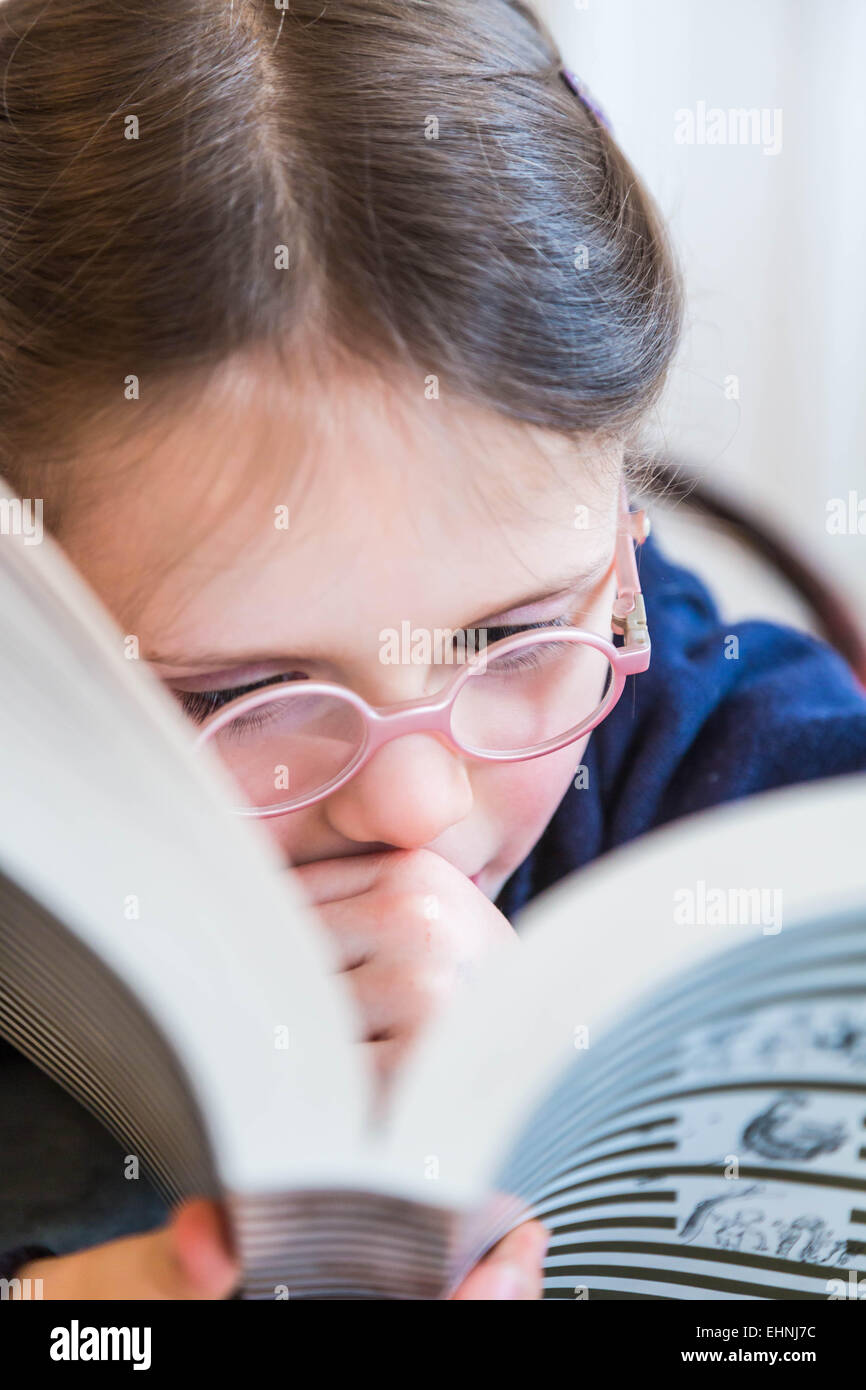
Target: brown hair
{"points": [[516, 256]]}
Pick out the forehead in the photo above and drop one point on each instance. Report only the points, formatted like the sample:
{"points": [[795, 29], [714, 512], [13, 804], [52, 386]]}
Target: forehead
{"points": [[348, 493]]}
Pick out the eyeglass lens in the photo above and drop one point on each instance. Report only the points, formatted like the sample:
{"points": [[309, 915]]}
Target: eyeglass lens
{"points": [[298, 744]]}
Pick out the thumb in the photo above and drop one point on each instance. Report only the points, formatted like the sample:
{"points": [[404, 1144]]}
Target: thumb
{"points": [[512, 1269], [198, 1245]]}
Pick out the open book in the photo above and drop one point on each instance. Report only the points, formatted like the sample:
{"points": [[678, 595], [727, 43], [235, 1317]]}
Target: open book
{"points": [[670, 1070]]}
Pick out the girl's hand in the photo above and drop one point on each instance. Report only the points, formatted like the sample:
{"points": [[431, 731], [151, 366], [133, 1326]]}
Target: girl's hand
{"points": [[512, 1269], [190, 1259], [409, 927], [187, 1258]]}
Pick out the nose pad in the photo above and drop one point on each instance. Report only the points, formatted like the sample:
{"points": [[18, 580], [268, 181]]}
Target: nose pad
{"points": [[410, 792]]}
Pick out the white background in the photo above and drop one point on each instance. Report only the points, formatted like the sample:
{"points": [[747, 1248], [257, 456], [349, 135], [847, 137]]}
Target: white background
{"points": [[773, 246]]}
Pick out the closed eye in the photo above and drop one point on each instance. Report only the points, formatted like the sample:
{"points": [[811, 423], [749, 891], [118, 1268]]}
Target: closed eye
{"points": [[498, 634], [198, 705], [529, 656]]}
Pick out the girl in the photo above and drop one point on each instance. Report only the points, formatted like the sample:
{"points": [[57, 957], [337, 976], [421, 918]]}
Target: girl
{"points": [[323, 324]]}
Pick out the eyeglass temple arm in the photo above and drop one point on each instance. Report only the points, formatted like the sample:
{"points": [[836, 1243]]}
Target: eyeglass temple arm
{"points": [[629, 613]]}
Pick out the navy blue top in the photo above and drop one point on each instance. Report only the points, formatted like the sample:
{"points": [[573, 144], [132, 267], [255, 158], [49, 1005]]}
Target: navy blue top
{"points": [[696, 729], [699, 727]]}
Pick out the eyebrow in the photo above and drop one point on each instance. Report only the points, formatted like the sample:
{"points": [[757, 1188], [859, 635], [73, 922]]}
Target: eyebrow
{"points": [[209, 661]]}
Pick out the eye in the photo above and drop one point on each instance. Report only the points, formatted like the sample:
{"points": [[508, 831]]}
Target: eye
{"points": [[530, 656], [498, 634], [198, 704]]}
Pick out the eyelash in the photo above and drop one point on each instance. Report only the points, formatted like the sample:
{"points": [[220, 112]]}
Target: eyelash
{"points": [[199, 704]]}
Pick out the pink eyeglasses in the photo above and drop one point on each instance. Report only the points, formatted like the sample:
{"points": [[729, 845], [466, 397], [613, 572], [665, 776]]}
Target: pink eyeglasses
{"points": [[288, 746]]}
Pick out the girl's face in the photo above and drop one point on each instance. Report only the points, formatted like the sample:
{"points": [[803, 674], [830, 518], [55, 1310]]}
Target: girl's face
{"points": [[266, 530]]}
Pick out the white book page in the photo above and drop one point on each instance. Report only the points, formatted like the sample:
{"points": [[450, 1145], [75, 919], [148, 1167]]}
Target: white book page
{"points": [[104, 805], [593, 945]]}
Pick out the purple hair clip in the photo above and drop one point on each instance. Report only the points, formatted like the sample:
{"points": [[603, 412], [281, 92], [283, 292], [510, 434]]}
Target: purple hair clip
{"points": [[584, 95]]}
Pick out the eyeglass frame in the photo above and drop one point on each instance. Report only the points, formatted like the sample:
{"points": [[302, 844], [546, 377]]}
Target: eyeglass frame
{"points": [[382, 724]]}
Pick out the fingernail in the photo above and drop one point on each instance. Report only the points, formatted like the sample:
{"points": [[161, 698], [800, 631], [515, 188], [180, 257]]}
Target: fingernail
{"points": [[507, 1281]]}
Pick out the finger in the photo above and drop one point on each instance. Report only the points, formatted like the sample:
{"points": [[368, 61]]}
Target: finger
{"points": [[512, 1270], [352, 926], [329, 880], [387, 1055], [202, 1249], [405, 926], [397, 997]]}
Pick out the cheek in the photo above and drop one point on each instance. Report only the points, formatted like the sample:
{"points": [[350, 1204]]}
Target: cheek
{"points": [[296, 836], [521, 798]]}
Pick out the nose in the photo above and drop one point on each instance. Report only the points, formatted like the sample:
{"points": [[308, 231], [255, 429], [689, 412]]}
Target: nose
{"points": [[410, 792]]}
